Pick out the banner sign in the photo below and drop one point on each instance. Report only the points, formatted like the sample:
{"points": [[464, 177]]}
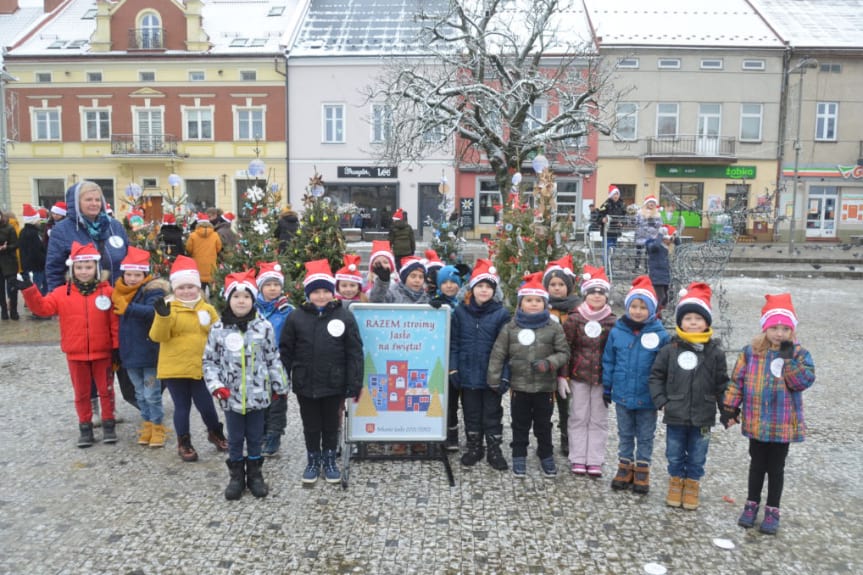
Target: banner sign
{"points": [[709, 171], [406, 354], [367, 172]]}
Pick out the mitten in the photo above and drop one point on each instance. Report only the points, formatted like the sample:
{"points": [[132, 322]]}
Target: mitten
{"points": [[436, 303], [22, 281], [161, 307], [222, 394], [786, 349], [606, 399], [455, 380], [562, 387], [728, 416], [382, 272], [541, 366]]}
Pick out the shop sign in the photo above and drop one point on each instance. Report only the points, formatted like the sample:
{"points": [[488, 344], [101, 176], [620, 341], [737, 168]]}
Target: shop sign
{"points": [[466, 213], [368, 172], [696, 171]]}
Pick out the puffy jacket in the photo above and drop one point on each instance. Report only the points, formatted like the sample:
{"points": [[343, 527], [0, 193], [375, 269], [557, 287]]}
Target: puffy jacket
{"points": [[473, 331], [112, 242], [549, 343], [275, 311], [171, 238], [646, 228], [137, 350], [658, 263], [322, 351], [32, 249], [246, 363], [182, 336], [86, 331], [771, 406], [627, 361], [396, 292], [402, 238], [585, 361], [8, 256], [690, 395], [204, 246], [287, 228]]}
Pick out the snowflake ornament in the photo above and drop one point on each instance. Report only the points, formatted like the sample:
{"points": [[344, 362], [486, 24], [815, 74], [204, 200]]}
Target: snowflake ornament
{"points": [[255, 194], [261, 227]]}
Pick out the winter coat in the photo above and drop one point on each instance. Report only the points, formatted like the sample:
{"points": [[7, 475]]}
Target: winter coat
{"points": [[627, 361], [137, 350], [585, 361], [395, 292], [246, 363], [473, 332], [204, 246], [658, 263], [87, 333], [549, 343], [690, 396], [112, 242], [226, 235], [9, 255], [171, 237], [616, 212], [401, 236], [771, 406], [287, 228], [322, 351], [32, 249], [275, 312], [647, 228], [182, 336]]}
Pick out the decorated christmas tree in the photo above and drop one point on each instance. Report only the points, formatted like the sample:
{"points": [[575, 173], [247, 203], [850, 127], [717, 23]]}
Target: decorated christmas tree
{"points": [[445, 228], [142, 234]]}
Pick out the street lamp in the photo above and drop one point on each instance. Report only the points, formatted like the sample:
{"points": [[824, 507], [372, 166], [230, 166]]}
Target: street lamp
{"points": [[801, 69]]}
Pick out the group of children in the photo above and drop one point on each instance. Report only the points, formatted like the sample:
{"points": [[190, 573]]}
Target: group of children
{"points": [[555, 348]]}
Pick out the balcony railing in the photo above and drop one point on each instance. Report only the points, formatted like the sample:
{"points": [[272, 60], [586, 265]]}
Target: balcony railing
{"points": [[147, 39], [137, 145], [696, 147]]}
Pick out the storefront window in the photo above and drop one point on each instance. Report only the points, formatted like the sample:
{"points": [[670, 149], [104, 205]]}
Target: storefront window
{"points": [[489, 196], [375, 201], [687, 198]]}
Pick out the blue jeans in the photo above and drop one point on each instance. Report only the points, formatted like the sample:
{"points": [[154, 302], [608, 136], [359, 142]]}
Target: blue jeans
{"points": [[635, 425], [248, 428], [148, 393], [686, 451], [186, 391]]}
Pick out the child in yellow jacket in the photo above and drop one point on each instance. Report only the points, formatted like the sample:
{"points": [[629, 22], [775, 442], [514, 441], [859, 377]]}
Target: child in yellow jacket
{"points": [[204, 245]]}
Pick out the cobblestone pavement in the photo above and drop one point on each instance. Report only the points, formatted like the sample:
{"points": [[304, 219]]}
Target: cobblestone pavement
{"points": [[127, 509]]}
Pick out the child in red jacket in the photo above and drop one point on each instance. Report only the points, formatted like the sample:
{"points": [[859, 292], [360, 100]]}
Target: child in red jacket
{"points": [[88, 335]]}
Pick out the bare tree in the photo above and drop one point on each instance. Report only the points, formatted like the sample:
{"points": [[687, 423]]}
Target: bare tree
{"points": [[504, 79]]}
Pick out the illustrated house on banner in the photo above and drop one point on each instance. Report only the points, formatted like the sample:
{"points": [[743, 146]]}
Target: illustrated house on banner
{"points": [[400, 388]]}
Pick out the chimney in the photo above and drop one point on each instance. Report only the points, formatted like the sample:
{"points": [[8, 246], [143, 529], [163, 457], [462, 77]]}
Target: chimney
{"points": [[51, 5], [8, 6]]}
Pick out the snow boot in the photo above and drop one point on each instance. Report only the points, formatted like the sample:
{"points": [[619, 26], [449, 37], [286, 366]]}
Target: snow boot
{"points": [[474, 452], [255, 477], [750, 512], [272, 442], [691, 489], [217, 437], [313, 468], [623, 479], [85, 439], [145, 433], [770, 525], [330, 469], [109, 431], [495, 457], [641, 478], [157, 439], [519, 467], [237, 482], [549, 469], [674, 498]]}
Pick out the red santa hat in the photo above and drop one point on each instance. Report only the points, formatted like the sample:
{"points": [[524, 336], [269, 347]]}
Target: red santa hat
{"points": [[136, 260], [202, 218], [484, 270], [229, 217], [432, 260], [108, 209], [242, 281], [668, 230], [270, 271], [695, 299], [43, 213], [59, 208], [318, 276], [642, 288], [561, 268], [184, 271], [778, 310], [612, 190], [382, 248], [83, 253], [351, 270], [533, 286], [169, 219], [594, 278], [399, 214], [29, 214], [649, 199]]}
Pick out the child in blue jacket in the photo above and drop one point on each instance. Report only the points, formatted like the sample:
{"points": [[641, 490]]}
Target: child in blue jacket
{"points": [[627, 360]]}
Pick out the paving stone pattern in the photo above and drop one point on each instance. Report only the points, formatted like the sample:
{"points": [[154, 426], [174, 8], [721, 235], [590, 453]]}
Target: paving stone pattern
{"points": [[133, 510]]}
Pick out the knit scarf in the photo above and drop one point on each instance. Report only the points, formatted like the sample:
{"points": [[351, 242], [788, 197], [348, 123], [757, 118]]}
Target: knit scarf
{"points": [[412, 295], [123, 294], [563, 303], [96, 228], [635, 326], [85, 288], [695, 338], [591, 314], [191, 303], [228, 318], [531, 320]]}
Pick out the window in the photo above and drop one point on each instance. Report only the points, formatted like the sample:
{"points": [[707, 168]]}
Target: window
{"points": [[49, 192], [149, 183], [382, 122], [434, 135], [258, 42], [250, 124], [199, 124], [97, 124], [832, 68], [57, 44], [489, 197], [627, 121], [334, 123], [196, 76], [537, 115], [276, 11], [568, 200], [149, 130], [46, 124], [750, 122], [825, 121], [711, 64], [147, 76], [76, 44], [683, 198], [668, 63], [627, 63], [239, 43], [151, 31], [200, 194], [248, 75], [666, 120], [43, 77], [94, 76], [753, 65], [90, 14]]}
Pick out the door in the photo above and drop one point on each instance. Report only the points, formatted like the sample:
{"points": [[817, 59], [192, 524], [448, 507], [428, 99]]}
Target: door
{"points": [[709, 120], [150, 133], [736, 204], [430, 201], [821, 212]]}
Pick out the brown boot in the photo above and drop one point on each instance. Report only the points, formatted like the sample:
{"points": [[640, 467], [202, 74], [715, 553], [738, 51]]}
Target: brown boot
{"points": [[675, 492], [217, 437], [185, 450], [641, 478], [691, 489], [623, 479]]}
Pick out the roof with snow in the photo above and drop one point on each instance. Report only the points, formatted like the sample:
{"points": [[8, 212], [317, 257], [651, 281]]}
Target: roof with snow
{"points": [[234, 27], [816, 23], [680, 23], [13, 26]]}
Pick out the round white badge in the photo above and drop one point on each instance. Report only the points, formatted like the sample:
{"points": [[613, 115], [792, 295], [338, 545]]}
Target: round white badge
{"points": [[649, 340], [776, 367], [203, 318], [592, 329], [116, 242], [687, 360], [234, 342], [336, 328], [526, 337], [103, 302]]}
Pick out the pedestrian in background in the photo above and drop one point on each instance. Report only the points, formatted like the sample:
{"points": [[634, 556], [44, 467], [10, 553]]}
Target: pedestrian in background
{"points": [[401, 237], [204, 246], [32, 248], [8, 268]]}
